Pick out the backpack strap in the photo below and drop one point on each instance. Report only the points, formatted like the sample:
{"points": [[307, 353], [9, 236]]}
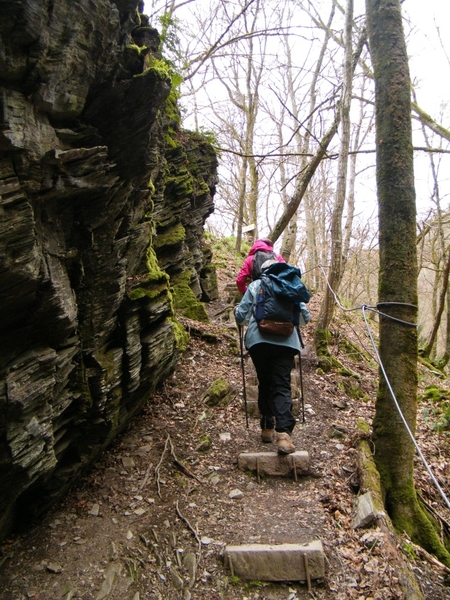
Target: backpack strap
{"points": [[258, 309]]}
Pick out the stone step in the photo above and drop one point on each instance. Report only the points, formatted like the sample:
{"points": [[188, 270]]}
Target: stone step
{"points": [[252, 383], [277, 562], [253, 410], [272, 463], [366, 514]]}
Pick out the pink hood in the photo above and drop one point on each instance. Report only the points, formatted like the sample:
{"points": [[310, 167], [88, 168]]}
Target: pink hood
{"points": [[259, 245]]}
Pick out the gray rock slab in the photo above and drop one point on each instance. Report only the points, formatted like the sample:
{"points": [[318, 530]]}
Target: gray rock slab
{"points": [[272, 463], [277, 562], [252, 408], [366, 514], [252, 404]]}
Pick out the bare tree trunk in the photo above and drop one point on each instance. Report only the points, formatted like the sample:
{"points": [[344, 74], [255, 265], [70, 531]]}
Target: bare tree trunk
{"points": [[440, 310], [335, 273], [303, 143], [241, 204], [394, 449], [442, 264], [359, 138], [247, 102], [251, 111], [444, 360], [309, 171]]}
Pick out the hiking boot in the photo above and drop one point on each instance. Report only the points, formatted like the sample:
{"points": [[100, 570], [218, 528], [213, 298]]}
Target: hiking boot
{"points": [[284, 443], [267, 435]]}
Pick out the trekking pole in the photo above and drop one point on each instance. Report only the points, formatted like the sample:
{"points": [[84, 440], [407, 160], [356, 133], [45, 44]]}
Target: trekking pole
{"points": [[302, 345], [241, 341]]}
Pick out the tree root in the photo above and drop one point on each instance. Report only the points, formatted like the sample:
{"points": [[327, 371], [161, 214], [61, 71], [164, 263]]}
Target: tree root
{"points": [[370, 482]]}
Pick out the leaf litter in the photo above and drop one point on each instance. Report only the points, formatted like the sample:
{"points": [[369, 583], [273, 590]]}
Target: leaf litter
{"points": [[153, 517]]}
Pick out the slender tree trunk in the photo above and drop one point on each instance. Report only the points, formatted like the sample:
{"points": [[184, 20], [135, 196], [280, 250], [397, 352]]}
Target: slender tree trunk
{"points": [[440, 309], [423, 117], [303, 144], [251, 112], [446, 357], [359, 138], [241, 203], [246, 100], [309, 171], [394, 449], [442, 264], [335, 272]]}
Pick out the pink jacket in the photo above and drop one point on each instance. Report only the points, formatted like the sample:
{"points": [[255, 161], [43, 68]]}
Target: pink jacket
{"points": [[245, 274]]}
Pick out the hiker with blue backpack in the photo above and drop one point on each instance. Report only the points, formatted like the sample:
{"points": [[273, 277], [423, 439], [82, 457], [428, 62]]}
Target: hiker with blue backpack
{"points": [[274, 307], [260, 251]]}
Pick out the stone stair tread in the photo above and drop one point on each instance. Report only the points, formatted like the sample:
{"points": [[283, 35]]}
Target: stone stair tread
{"points": [[277, 562], [272, 463]]}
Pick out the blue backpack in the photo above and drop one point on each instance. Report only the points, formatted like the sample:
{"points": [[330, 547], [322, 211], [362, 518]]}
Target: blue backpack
{"points": [[277, 307]]}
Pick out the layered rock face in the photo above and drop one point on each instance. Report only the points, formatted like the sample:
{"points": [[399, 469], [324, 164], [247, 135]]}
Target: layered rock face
{"points": [[102, 205]]}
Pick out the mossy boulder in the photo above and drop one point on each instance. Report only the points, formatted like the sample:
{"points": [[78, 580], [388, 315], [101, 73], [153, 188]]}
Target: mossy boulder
{"points": [[219, 394], [204, 444]]}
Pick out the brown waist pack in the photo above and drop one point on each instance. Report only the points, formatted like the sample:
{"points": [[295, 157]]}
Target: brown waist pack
{"points": [[284, 328]]}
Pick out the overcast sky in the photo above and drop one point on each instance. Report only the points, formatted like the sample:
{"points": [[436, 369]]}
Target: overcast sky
{"points": [[427, 30], [429, 60]]}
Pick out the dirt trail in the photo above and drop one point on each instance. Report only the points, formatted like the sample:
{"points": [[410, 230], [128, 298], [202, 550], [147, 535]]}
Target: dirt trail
{"points": [[140, 526]]}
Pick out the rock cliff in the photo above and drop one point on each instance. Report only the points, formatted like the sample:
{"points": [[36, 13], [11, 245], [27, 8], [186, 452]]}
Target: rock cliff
{"points": [[103, 199]]}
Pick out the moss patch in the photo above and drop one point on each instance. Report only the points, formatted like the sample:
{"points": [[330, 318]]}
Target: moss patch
{"points": [[171, 236], [436, 394], [220, 393], [353, 351], [151, 285], [326, 361], [352, 388], [440, 414], [204, 444], [181, 335], [185, 301]]}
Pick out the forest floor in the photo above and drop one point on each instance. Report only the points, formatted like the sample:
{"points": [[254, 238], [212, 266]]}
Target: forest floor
{"points": [[153, 517]]}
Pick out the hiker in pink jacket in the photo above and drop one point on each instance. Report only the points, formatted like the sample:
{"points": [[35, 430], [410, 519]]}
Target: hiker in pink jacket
{"points": [[245, 274]]}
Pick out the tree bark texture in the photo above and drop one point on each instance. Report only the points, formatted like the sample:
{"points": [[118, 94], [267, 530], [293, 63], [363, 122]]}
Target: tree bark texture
{"points": [[394, 449]]}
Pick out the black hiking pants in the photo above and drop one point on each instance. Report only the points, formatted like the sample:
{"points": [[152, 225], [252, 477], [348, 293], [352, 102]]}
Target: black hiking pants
{"points": [[273, 366]]}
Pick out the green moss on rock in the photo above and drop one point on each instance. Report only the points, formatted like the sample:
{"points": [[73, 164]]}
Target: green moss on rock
{"points": [[204, 444], [436, 394], [159, 67], [147, 289], [181, 335], [185, 301], [135, 48], [220, 393], [151, 285], [326, 361], [352, 389], [169, 237], [353, 351]]}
